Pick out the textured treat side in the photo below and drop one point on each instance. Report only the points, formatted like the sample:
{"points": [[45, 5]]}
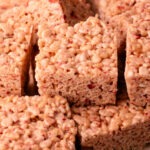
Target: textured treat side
{"points": [[78, 62], [137, 71], [113, 127], [36, 123], [15, 48]]}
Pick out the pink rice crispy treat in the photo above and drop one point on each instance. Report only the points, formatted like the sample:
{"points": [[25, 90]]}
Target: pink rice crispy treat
{"points": [[7, 4], [111, 8], [58, 11], [37, 123], [45, 11], [121, 127], [120, 13], [15, 48], [78, 62], [137, 72], [123, 20]]}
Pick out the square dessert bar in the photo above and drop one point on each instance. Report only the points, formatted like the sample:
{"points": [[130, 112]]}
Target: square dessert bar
{"points": [[45, 11], [121, 127], [137, 71], [120, 13], [110, 8], [79, 63], [37, 123], [123, 20], [7, 4], [15, 49]]}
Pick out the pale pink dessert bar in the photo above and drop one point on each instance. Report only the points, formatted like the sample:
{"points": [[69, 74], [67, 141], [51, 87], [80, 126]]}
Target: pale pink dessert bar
{"points": [[120, 13], [123, 20], [13, 2], [37, 123], [121, 127], [15, 49], [110, 8], [45, 11], [7, 4], [137, 71], [79, 63]]}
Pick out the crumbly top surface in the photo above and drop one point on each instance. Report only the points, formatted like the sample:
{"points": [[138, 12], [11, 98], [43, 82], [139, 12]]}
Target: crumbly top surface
{"points": [[116, 7], [17, 13], [15, 37], [36, 123], [94, 120], [110, 8], [52, 13], [138, 49], [15, 28], [12, 3], [89, 47], [134, 13], [7, 4]]}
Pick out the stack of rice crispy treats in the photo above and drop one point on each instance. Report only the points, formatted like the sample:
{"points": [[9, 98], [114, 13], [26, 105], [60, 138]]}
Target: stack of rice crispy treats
{"points": [[74, 74]]}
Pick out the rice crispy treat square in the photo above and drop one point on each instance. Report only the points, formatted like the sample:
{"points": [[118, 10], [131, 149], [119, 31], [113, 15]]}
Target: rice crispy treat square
{"points": [[120, 13], [15, 49], [110, 8], [121, 127], [79, 63], [137, 71], [38, 123], [7, 4], [123, 20], [45, 11]]}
